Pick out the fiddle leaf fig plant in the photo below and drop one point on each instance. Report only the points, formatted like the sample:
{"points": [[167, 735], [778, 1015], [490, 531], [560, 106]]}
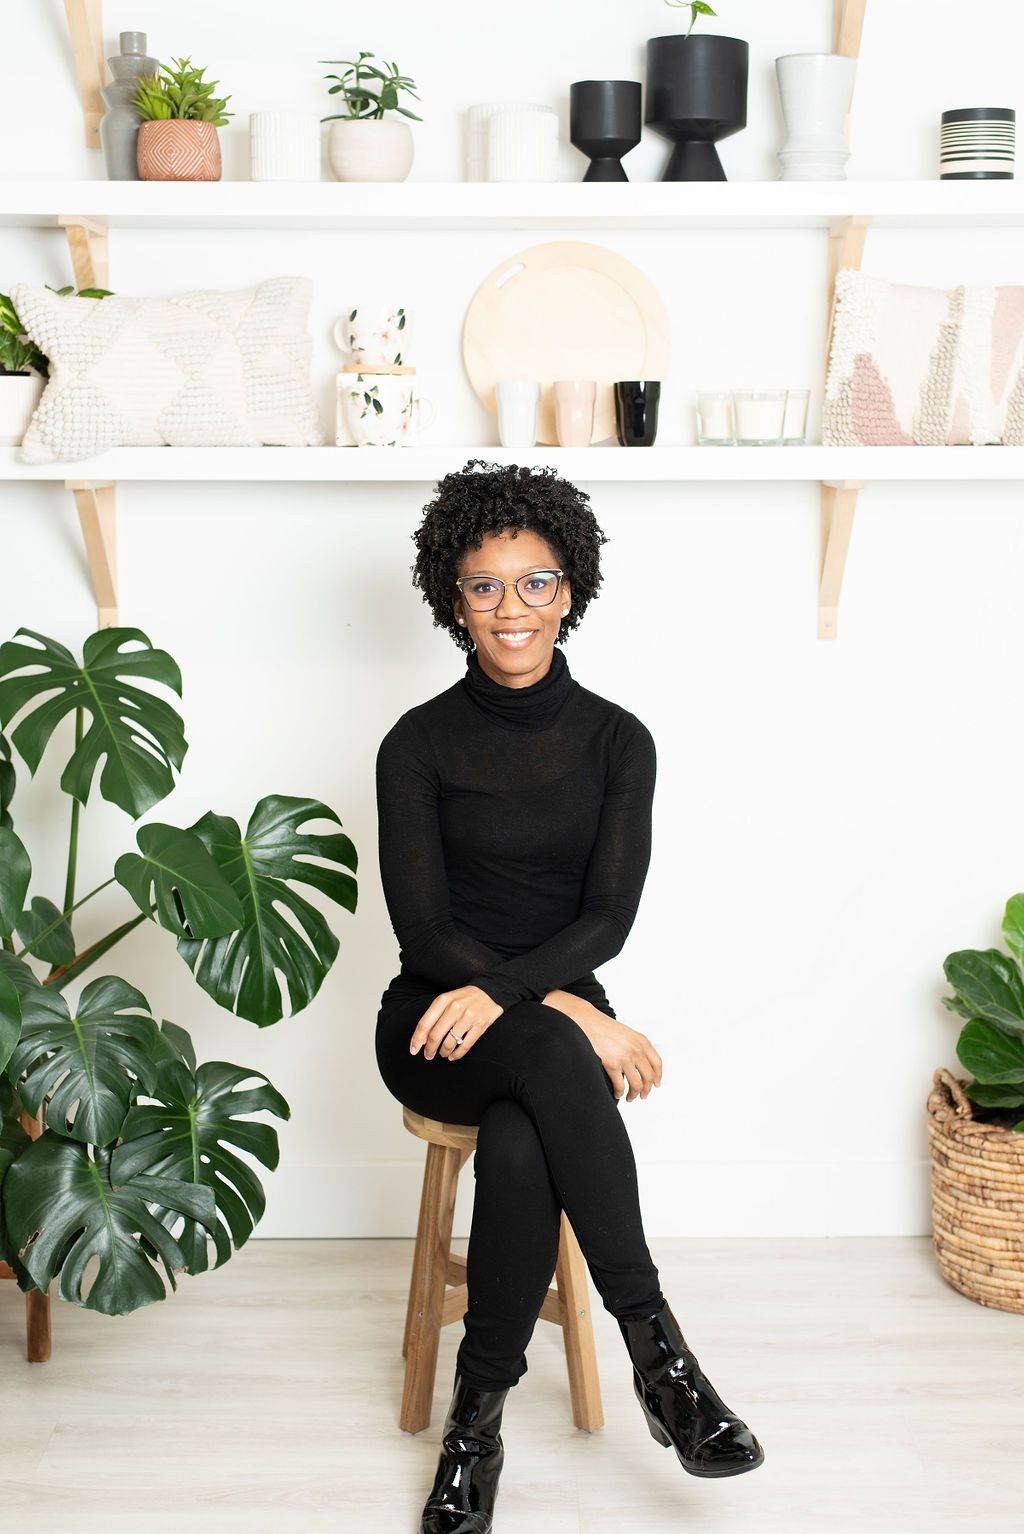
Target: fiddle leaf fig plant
{"points": [[119, 1153], [695, 7], [988, 990]]}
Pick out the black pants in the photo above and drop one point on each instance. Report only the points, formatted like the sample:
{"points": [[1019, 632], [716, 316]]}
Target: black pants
{"points": [[550, 1137]]}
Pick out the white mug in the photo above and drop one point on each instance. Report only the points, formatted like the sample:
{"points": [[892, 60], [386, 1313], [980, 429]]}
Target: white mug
{"points": [[518, 399], [375, 336], [382, 409]]}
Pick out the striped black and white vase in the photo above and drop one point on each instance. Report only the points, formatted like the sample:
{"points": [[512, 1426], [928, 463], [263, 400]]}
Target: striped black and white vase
{"points": [[977, 143]]}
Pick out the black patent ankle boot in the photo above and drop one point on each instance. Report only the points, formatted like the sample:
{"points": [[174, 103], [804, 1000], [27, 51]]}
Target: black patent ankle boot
{"points": [[472, 1454], [682, 1407]]}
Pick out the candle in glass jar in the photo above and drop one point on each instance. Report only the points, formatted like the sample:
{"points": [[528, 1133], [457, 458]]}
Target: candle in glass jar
{"points": [[794, 425], [759, 415], [715, 422]]}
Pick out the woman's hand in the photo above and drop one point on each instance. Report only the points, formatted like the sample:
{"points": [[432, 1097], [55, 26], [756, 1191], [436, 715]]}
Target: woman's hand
{"points": [[623, 1051], [468, 1010]]}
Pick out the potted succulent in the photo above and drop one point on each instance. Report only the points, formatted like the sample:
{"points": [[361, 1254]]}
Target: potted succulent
{"points": [[178, 138], [696, 95], [24, 369], [363, 144], [118, 1151], [976, 1126]]}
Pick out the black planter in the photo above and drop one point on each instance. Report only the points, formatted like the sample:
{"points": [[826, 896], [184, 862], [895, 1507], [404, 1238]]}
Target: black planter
{"points": [[636, 411], [604, 123], [696, 96]]}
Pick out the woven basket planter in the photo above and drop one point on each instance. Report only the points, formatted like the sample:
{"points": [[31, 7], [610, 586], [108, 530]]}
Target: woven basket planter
{"points": [[977, 1198]]}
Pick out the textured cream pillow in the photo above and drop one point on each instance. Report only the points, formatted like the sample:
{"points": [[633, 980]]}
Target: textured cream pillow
{"points": [[202, 369]]}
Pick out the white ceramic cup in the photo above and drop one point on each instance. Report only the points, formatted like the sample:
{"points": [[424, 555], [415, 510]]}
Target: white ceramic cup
{"points": [[382, 409], [518, 400], [375, 335]]}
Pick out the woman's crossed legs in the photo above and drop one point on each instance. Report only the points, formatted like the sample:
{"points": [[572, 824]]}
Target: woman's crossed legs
{"points": [[550, 1138]]}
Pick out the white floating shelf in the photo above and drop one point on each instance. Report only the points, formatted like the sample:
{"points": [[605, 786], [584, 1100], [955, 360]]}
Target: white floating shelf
{"points": [[534, 205], [595, 464]]}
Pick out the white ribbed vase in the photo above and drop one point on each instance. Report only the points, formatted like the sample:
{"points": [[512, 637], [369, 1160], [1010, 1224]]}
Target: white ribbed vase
{"points": [[476, 121], [815, 91], [522, 146], [284, 146], [19, 396]]}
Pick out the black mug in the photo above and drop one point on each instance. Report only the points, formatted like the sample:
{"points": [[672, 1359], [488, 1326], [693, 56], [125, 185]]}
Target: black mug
{"points": [[636, 411]]}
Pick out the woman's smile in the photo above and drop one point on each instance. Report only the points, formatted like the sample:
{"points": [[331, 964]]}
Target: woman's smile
{"points": [[515, 639]]}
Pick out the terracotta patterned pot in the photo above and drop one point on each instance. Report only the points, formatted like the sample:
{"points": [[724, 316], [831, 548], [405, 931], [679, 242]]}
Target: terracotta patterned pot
{"points": [[177, 149]]}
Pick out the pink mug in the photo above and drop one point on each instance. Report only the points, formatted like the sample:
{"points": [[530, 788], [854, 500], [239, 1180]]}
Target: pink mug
{"points": [[574, 411]]}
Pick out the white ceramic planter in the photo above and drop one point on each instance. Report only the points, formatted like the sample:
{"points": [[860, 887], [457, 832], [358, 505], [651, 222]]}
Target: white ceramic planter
{"points": [[19, 396], [815, 89], [284, 146], [370, 149]]}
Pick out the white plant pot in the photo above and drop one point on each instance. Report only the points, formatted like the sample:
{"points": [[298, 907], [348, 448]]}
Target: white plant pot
{"points": [[370, 149], [19, 396], [815, 90]]}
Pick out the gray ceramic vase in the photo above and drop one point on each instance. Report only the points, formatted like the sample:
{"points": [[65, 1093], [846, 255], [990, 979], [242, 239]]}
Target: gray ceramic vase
{"points": [[119, 126]]}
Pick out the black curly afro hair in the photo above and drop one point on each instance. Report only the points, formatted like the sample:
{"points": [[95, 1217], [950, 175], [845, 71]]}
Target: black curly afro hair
{"points": [[487, 498]]}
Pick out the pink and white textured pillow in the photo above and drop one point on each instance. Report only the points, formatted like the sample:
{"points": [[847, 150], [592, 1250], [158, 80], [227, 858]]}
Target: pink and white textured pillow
{"points": [[198, 369], [918, 366]]}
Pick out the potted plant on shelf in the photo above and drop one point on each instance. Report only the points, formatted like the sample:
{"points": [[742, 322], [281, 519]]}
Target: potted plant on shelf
{"points": [[23, 369], [364, 145], [976, 1127], [133, 1162], [696, 95], [178, 138]]}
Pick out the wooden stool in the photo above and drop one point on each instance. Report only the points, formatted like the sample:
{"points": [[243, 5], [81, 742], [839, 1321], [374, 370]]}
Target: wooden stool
{"points": [[438, 1293], [37, 1304]]}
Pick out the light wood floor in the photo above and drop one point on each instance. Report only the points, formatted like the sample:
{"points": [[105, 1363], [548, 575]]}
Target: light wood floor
{"points": [[264, 1398]]}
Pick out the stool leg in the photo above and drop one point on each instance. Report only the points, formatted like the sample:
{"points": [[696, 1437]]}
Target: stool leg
{"points": [[429, 1281], [37, 1326], [578, 1329]]}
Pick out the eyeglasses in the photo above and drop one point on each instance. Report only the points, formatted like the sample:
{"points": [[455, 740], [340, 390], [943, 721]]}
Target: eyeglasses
{"points": [[538, 588]]}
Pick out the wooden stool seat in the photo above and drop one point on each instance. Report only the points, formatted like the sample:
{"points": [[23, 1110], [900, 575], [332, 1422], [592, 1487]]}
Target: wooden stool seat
{"points": [[438, 1294]]}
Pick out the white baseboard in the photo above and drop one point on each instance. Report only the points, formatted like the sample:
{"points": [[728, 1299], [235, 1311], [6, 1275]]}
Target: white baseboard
{"points": [[711, 1198]]}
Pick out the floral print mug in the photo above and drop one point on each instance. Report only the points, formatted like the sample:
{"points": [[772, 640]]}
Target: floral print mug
{"points": [[381, 409], [375, 337]]}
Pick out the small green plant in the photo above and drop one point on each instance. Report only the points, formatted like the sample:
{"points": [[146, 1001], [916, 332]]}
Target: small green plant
{"points": [[17, 353], [695, 7], [369, 91], [180, 92], [989, 987]]}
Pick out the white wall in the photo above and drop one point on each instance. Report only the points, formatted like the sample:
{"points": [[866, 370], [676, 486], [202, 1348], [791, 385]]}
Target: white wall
{"points": [[831, 818]]}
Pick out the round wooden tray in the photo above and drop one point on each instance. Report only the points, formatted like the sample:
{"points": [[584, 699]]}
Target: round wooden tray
{"points": [[566, 309]]}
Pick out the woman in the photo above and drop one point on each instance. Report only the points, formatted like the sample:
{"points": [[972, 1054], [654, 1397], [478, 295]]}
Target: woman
{"points": [[514, 815]]}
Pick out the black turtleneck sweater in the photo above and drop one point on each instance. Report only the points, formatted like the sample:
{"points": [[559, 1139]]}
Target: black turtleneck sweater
{"points": [[514, 834]]}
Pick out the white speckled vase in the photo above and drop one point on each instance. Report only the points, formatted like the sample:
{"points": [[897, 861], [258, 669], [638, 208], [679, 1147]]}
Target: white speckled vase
{"points": [[815, 90], [284, 146], [370, 149]]}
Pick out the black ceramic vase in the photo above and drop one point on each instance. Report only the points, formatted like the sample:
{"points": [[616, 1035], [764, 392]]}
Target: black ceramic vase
{"points": [[636, 411], [696, 96], [604, 124]]}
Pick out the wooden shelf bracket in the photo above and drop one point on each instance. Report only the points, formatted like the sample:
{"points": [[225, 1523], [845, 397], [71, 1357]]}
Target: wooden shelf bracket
{"points": [[97, 513], [85, 24], [88, 246]]}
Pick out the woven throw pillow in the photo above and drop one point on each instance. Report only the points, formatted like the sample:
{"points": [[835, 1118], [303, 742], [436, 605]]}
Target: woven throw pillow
{"points": [[201, 369], [922, 366]]}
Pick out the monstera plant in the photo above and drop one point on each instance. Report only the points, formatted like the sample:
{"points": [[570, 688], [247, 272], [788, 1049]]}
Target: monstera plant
{"points": [[118, 1152]]}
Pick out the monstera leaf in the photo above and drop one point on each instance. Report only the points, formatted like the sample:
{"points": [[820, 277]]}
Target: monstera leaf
{"points": [[58, 945], [139, 734], [10, 1019], [7, 781], [13, 1141], [90, 1063], [239, 971], [192, 896], [62, 1210], [15, 873], [187, 1136]]}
